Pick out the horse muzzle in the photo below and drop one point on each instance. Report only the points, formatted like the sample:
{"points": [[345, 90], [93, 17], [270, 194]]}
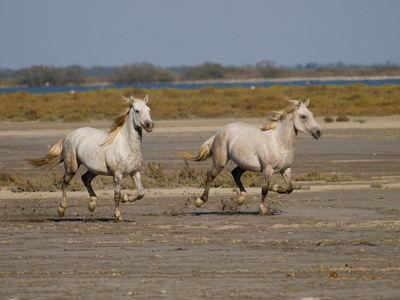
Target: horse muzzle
{"points": [[148, 126], [317, 133]]}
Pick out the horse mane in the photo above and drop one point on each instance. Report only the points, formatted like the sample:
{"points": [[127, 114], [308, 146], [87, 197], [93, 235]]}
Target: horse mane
{"points": [[277, 116], [119, 121]]}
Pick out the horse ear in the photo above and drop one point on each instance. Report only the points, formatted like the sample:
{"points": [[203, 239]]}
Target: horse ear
{"points": [[132, 100], [307, 102], [146, 99], [127, 100], [295, 102]]}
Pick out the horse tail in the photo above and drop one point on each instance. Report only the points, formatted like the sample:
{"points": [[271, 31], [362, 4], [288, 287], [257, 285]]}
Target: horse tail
{"points": [[204, 152], [53, 157]]}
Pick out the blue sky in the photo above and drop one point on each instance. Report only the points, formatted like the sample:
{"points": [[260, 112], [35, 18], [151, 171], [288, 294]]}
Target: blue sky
{"points": [[190, 32]]}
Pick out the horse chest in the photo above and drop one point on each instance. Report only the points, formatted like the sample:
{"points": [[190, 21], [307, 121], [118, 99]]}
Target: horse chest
{"points": [[124, 160], [284, 163], [278, 158]]}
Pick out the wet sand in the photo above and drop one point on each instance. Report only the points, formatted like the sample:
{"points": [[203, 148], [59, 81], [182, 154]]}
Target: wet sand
{"points": [[331, 241]]}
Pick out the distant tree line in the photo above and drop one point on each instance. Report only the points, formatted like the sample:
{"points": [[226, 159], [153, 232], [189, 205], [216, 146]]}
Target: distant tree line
{"points": [[41, 75]]}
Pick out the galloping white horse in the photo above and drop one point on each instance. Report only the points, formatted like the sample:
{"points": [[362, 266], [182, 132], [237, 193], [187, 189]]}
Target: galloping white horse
{"points": [[117, 153], [268, 150]]}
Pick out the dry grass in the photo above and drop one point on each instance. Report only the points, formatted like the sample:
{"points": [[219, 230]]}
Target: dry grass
{"points": [[208, 102], [154, 176], [317, 176]]}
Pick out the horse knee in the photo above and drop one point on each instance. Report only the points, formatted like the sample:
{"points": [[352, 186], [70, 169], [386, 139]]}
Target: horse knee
{"points": [[117, 197], [67, 178], [264, 190], [132, 198]]}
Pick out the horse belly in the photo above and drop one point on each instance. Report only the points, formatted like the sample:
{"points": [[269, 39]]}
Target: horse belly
{"points": [[93, 159], [243, 147], [92, 155]]}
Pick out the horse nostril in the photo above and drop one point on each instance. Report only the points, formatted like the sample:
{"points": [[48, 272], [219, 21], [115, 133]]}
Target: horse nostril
{"points": [[149, 125]]}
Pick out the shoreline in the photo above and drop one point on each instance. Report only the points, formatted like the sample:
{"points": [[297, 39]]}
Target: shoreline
{"points": [[255, 80], [290, 79]]}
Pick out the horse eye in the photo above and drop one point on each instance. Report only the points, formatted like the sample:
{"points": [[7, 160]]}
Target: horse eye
{"points": [[303, 116], [136, 111]]}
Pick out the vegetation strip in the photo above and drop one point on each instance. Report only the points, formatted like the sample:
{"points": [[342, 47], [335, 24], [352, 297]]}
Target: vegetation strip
{"points": [[208, 102]]}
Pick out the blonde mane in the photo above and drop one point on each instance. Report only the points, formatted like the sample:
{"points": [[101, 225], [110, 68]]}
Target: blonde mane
{"points": [[280, 115], [119, 121]]}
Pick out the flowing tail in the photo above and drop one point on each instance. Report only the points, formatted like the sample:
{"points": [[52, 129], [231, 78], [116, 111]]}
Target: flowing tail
{"points": [[204, 152], [53, 157]]}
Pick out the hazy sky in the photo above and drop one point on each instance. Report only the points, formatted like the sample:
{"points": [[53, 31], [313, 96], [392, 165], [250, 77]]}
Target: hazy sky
{"points": [[190, 32]]}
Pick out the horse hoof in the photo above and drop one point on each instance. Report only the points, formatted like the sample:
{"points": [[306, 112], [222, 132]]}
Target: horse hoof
{"points": [[118, 218], [125, 198], [92, 204], [198, 202], [61, 211], [242, 198], [264, 211]]}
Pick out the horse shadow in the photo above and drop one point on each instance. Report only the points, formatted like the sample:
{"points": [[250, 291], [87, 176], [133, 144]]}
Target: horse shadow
{"points": [[222, 213], [88, 220]]}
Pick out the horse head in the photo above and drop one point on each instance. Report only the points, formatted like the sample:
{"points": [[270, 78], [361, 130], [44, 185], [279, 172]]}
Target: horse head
{"points": [[304, 120], [141, 111]]}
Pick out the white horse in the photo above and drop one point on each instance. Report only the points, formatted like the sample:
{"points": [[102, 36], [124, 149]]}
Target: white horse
{"points": [[268, 150], [116, 153]]}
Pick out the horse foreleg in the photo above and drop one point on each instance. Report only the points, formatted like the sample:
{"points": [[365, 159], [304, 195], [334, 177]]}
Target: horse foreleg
{"points": [[138, 193], [267, 174], [87, 181], [117, 196], [237, 173], [286, 174]]}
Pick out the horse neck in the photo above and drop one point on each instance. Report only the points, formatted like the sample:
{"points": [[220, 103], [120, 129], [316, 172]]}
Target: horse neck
{"points": [[131, 133], [285, 131]]}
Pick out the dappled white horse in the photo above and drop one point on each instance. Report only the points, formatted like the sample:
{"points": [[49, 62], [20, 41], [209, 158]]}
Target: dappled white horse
{"points": [[116, 153], [268, 150]]}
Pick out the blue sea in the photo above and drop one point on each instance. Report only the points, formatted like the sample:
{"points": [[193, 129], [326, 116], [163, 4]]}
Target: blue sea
{"points": [[192, 86]]}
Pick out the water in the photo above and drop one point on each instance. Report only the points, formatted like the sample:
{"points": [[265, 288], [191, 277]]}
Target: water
{"points": [[192, 86]]}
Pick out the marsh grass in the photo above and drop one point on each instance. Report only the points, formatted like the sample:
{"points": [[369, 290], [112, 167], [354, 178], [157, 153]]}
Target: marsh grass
{"points": [[317, 176], [207, 102], [376, 185], [155, 176]]}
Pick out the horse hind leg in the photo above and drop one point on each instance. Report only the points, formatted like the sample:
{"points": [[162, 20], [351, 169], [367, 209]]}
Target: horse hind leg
{"points": [[71, 167], [64, 184], [237, 174], [210, 178], [87, 181]]}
